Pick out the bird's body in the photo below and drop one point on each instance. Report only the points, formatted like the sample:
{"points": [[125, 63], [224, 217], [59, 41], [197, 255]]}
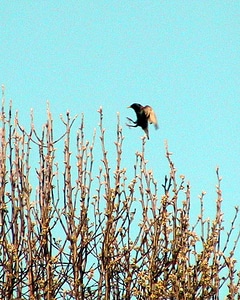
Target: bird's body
{"points": [[144, 114]]}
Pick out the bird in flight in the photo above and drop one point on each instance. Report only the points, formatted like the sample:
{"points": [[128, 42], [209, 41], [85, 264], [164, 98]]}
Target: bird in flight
{"points": [[144, 114]]}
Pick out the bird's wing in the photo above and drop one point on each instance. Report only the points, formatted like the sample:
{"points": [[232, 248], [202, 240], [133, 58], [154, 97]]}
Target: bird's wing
{"points": [[150, 114]]}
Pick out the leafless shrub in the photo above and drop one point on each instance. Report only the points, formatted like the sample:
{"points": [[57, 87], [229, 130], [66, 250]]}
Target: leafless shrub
{"points": [[119, 238]]}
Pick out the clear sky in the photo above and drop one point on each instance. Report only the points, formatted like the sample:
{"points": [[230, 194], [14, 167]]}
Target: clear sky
{"points": [[180, 57]]}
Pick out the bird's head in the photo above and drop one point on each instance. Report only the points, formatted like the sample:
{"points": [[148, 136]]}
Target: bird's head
{"points": [[136, 106]]}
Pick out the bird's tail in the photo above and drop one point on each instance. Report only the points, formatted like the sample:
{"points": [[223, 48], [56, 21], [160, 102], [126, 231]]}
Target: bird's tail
{"points": [[147, 133]]}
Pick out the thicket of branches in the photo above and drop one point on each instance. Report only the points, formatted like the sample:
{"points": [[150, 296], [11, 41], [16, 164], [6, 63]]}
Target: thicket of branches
{"points": [[102, 236]]}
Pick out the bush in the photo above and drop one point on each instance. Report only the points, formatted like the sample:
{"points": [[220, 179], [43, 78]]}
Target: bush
{"points": [[120, 239]]}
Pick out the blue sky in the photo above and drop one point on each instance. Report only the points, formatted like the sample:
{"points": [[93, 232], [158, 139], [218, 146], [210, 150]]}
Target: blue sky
{"points": [[180, 57]]}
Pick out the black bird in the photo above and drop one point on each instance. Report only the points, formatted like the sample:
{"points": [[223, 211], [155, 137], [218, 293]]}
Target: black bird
{"points": [[144, 114]]}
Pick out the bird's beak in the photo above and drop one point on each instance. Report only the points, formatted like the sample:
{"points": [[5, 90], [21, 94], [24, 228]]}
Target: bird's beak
{"points": [[128, 106]]}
